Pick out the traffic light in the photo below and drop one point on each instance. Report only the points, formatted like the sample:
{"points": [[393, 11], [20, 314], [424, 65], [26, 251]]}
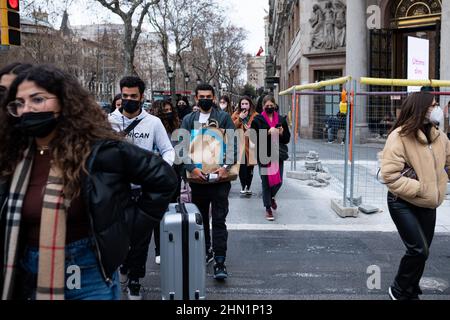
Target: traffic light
{"points": [[10, 22], [343, 106]]}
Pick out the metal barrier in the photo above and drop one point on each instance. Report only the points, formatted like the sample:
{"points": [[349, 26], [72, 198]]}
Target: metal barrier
{"points": [[352, 158], [330, 142], [379, 101]]}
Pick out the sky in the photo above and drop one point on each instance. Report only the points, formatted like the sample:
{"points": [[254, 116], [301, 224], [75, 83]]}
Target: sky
{"points": [[248, 14]]}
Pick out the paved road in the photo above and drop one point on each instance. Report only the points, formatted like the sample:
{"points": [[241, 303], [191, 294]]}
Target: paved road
{"points": [[311, 253], [311, 265]]}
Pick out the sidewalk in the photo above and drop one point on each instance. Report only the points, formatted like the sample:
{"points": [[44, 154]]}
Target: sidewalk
{"points": [[306, 208]]}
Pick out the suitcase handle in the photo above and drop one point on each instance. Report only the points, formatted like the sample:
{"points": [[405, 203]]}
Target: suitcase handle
{"points": [[181, 208]]}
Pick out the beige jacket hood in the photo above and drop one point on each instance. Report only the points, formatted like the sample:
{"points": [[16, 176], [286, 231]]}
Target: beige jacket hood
{"points": [[431, 162]]}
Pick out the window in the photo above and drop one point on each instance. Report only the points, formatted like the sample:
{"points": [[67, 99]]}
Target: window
{"points": [[325, 106]]}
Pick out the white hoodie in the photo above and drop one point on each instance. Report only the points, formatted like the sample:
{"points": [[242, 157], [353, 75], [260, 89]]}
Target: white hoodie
{"points": [[149, 134]]}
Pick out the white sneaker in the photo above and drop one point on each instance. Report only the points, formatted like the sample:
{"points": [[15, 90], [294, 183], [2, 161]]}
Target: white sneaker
{"points": [[158, 260], [391, 295], [249, 192], [123, 278], [244, 191]]}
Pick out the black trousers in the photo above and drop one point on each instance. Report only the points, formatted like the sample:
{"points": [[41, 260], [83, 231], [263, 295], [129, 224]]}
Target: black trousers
{"points": [[157, 235], [267, 191], [416, 228], [246, 175], [156, 230], [139, 244], [215, 195]]}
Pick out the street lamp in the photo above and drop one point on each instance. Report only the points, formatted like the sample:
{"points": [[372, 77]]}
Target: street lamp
{"points": [[186, 80], [171, 75], [199, 81]]}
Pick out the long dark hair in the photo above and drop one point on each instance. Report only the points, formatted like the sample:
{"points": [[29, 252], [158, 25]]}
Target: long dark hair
{"points": [[82, 123], [11, 69], [14, 68], [267, 99], [113, 103], [158, 107], [413, 113], [252, 106], [229, 108]]}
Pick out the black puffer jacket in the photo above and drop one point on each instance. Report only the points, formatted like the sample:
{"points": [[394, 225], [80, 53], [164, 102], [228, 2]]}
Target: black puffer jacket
{"points": [[112, 166]]}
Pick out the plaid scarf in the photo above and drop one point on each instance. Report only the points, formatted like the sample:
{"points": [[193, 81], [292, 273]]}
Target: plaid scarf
{"points": [[51, 272]]}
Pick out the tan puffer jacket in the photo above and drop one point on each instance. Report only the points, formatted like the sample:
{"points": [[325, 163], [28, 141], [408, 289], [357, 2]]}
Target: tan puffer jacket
{"points": [[428, 160]]}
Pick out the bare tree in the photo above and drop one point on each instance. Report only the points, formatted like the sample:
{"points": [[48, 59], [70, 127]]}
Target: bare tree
{"points": [[178, 22], [126, 11], [230, 57], [218, 54]]}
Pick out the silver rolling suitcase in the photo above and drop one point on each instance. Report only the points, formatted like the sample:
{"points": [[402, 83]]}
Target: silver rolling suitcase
{"points": [[183, 268]]}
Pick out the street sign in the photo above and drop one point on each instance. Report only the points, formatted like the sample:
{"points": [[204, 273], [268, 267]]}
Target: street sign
{"points": [[273, 80]]}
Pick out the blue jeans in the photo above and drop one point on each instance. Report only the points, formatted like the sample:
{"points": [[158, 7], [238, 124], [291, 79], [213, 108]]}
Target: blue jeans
{"points": [[80, 256]]}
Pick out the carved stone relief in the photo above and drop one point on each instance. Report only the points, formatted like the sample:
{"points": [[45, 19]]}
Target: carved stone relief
{"points": [[329, 25]]}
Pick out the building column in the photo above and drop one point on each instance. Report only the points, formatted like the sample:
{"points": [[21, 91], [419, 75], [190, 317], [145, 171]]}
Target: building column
{"points": [[445, 42], [357, 59], [445, 49]]}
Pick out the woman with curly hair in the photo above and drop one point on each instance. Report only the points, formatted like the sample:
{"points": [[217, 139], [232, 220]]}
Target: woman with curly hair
{"points": [[65, 205], [164, 110]]}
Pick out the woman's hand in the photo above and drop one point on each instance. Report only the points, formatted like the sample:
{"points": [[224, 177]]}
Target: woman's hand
{"points": [[274, 131], [198, 175], [243, 114]]}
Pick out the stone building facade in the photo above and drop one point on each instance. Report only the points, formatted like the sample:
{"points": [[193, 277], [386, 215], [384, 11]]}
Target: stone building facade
{"points": [[256, 71], [318, 40]]}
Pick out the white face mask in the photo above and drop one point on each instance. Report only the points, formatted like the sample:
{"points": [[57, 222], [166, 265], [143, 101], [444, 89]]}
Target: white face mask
{"points": [[437, 117], [223, 106]]}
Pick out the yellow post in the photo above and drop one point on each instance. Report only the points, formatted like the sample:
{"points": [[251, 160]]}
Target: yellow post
{"points": [[4, 36], [404, 82]]}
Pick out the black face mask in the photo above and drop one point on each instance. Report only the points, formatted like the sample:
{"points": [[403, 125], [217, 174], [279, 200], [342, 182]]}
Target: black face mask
{"points": [[205, 104], [270, 110], [131, 106], [169, 116], [38, 124]]}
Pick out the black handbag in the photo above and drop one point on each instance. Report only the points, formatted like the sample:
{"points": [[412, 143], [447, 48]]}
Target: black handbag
{"points": [[284, 152], [407, 172]]}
